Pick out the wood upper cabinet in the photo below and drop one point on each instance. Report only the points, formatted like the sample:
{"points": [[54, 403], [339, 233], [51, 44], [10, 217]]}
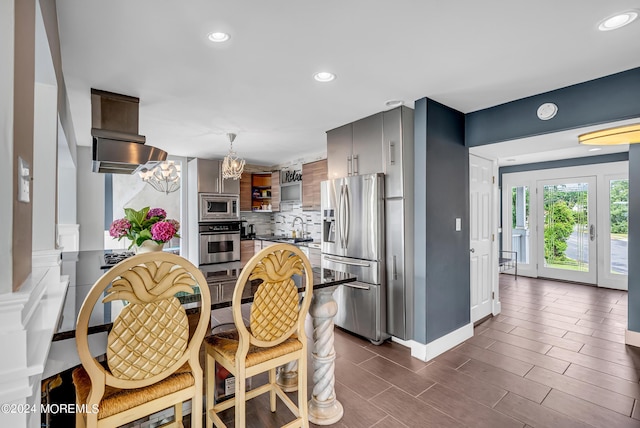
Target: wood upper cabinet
{"points": [[275, 191], [312, 174], [245, 191]]}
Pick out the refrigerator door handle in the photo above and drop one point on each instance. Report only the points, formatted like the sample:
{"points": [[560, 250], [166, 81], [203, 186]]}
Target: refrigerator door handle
{"points": [[349, 165], [346, 262], [355, 165], [347, 220], [358, 286], [341, 216]]}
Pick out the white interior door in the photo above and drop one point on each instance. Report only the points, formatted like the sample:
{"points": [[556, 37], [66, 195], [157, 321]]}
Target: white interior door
{"points": [[481, 236], [567, 229]]}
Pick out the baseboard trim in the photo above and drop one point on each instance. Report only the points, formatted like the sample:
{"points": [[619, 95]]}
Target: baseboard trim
{"points": [[632, 338], [429, 351]]}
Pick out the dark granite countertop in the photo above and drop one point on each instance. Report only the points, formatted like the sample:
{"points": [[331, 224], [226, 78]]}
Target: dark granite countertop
{"points": [[83, 269]]}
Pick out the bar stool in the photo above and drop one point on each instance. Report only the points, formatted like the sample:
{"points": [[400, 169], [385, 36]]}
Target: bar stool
{"points": [[275, 335]]}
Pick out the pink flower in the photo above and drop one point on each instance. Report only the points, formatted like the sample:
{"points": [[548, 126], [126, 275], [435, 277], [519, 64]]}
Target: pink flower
{"points": [[157, 212], [119, 228], [163, 231], [175, 223]]}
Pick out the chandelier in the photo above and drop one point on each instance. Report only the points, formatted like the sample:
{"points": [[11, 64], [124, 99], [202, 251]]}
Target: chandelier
{"points": [[232, 165], [165, 177]]}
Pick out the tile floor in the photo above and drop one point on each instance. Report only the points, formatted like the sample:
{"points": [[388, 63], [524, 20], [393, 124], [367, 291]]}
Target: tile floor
{"points": [[554, 357]]}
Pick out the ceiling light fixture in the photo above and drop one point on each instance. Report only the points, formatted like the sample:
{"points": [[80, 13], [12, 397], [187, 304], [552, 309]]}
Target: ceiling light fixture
{"points": [[618, 21], [218, 37], [511, 160], [394, 103], [629, 134], [165, 177], [232, 165], [324, 76]]}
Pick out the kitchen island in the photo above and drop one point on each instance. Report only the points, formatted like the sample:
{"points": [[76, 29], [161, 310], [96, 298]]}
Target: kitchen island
{"points": [[85, 267]]}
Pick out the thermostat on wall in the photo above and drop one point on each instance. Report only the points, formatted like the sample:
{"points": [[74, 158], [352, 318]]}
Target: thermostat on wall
{"points": [[547, 111]]}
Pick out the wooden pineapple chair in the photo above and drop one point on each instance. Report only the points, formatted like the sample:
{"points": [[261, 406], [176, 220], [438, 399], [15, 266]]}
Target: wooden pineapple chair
{"points": [[153, 363], [275, 335]]}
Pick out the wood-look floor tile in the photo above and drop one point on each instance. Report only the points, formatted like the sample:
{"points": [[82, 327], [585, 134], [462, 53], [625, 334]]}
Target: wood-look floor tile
{"points": [[531, 357], [614, 322], [588, 392], [598, 364], [495, 324], [554, 323], [569, 313], [395, 374], [466, 410], [587, 412], [550, 315], [358, 412], [494, 359], [351, 350], [553, 331], [560, 342], [628, 357], [412, 411], [521, 342], [603, 380], [358, 379], [608, 315], [597, 306], [452, 359], [620, 311], [397, 353], [513, 302], [534, 414], [593, 341], [479, 390], [602, 326], [481, 341], [609, 336], [506, 380], [387, 422], [636, 411]]}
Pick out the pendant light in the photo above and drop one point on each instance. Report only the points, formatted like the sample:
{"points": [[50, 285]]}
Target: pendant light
{"points": [[232, 165]]}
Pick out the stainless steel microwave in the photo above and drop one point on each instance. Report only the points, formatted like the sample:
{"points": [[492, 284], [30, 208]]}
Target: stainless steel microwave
{"points": [[216, 206]]}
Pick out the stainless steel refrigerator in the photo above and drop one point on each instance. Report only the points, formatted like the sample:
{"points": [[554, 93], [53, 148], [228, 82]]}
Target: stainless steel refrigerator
{"points": [[353, 241]]}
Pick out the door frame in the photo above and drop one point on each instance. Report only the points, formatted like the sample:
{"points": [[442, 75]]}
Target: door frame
{"points": [[530, 178], [494, 203]]}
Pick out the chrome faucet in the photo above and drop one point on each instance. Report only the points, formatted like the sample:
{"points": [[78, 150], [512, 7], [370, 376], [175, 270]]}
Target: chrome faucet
{"points": [[293, 224]]}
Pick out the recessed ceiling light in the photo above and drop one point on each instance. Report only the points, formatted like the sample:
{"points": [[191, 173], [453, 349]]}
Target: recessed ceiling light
{"points": [[511, 160], [595, 149], [324, 76], [618, 21], [218, 37], [394, 103]]}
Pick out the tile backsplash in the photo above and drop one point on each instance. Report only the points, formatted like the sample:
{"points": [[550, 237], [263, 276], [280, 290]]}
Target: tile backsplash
{"points": [[279, 223]]}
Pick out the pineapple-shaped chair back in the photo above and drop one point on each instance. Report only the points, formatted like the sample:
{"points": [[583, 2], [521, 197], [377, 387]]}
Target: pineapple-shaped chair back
{"points": [[151, 333], [149, 339], [276, 312]]}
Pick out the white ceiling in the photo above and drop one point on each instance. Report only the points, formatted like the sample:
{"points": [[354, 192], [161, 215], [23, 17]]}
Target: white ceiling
{"points": [[466, 54]]}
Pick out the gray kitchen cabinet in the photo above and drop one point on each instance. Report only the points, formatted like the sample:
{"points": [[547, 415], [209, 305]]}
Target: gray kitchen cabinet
{"points": [[339, 149], [355, 148], [207, 175], [397, 150]]}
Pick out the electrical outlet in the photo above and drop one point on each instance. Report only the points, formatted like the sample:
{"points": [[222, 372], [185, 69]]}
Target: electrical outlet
{"points": [[458, 224], [24, 180]]}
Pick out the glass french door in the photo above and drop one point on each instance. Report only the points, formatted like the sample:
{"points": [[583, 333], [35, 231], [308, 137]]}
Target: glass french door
{"points": [[567, 235]]}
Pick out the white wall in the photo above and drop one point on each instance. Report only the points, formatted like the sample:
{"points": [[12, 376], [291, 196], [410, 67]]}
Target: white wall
{"points": [[6, 141], [44, 167], [90, 203]]}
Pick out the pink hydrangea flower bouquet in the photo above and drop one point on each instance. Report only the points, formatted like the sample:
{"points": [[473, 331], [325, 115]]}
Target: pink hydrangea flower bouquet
{"points": [[146, 224]]}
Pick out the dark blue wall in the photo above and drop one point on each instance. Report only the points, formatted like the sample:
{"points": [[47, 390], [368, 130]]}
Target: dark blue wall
{"points": [[442, 288], [610, 98]]}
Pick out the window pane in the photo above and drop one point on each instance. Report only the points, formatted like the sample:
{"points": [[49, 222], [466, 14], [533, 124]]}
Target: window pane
{"points": [[520, 222], [619, 225]]}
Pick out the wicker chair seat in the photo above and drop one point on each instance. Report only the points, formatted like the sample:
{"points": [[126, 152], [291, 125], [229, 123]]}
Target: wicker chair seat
{"points": [[226, 343], [117, 400]]}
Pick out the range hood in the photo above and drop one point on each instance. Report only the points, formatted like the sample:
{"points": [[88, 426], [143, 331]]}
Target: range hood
{"points": [[117, 146]]}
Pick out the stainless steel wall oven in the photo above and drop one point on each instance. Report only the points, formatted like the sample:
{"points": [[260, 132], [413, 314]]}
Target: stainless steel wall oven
{"points": [[219, 242]]}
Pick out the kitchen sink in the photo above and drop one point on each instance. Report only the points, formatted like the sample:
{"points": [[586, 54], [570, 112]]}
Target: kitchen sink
{"points": [[294, 240]]}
